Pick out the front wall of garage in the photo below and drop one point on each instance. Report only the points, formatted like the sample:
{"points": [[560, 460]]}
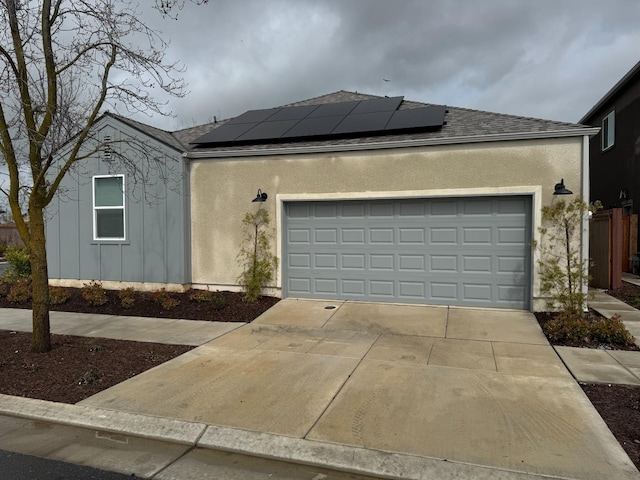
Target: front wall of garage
{"points": [[222, 189]]}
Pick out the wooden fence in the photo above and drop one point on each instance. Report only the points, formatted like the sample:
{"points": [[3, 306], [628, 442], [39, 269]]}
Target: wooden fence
{"points": [[613, 240], [9, 235]]}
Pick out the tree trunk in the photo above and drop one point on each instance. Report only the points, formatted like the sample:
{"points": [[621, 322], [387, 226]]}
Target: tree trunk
{"points": [[41, 338]]}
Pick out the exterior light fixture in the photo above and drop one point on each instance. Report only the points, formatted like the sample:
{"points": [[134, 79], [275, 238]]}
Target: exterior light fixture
{"points": [[560, 189], [260, 197]]}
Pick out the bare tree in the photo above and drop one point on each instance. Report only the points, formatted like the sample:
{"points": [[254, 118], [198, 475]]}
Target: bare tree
{"points": [[62, 63]]}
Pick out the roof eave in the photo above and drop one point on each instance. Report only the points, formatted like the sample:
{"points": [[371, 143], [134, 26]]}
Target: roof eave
{"points": [[614, 90], [423, 142]]}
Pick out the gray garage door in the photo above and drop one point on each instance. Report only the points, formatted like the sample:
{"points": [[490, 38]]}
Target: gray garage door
{"points": [[456, 251]]}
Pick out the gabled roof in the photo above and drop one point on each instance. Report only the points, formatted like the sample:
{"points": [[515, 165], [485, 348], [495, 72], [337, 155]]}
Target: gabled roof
{"points": [[462, 125], [160, 135], [622, 83]]}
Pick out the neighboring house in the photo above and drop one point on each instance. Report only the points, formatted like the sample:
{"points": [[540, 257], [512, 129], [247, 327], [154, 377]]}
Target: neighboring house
{"points": [[615, 151], [373, 198]]}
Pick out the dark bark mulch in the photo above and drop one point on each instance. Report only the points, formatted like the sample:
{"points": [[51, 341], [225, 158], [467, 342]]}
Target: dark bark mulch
{"points": [[76, 367], [233, 307], [619, 406], [628, 293]]}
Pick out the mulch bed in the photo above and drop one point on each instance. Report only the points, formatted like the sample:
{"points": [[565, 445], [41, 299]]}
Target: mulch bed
{"points": [[628, 293], [76, 367], [619, 406], [235, 308]]}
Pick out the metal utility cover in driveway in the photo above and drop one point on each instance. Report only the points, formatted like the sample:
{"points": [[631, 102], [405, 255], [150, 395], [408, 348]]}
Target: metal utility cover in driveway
{"points": [[471, 251]]}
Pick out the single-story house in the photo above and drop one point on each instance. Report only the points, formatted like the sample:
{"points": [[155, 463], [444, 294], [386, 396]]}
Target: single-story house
{"points": [[373, 198]]}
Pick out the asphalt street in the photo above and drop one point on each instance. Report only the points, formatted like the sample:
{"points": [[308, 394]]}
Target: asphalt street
{"points": [[24, 467]]}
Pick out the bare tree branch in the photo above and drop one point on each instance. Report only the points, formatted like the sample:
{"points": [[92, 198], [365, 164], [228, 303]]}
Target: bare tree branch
{"points": [[62, 63]]}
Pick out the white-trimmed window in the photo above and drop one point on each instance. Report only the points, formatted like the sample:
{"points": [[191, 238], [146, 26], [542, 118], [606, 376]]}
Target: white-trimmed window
{"points": [[609, 130], [108, 207]]}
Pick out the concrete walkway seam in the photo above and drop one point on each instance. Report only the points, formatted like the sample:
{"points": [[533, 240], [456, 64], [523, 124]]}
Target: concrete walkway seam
{"points": [[345, 458]]}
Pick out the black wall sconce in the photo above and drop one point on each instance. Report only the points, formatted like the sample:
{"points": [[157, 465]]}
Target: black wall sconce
{"points": [[560, 189], [261, 196]]}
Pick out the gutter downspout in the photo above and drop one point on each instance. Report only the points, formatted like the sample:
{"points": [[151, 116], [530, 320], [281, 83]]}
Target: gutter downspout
{"points": [[586, 198]]}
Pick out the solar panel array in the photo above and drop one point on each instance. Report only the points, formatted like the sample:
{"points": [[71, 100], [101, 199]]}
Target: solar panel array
{"points": [[344, 119]]}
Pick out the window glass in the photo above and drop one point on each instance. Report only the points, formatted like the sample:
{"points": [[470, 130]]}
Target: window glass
{"points": [[608, 130], [108, 208], [108, 192]]}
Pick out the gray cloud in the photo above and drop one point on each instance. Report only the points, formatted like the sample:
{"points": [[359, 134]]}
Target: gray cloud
{"points": [[550, 59]]}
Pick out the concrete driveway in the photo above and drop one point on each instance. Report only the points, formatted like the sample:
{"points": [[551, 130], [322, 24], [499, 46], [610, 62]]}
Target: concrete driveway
{"points": [[481, 387]]}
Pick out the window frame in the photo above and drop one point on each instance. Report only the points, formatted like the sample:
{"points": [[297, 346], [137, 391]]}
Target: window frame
{"points": [[96, 208], [610, 127]]}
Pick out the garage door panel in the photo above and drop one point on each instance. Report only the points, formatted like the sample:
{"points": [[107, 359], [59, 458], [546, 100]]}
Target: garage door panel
{"points": [[411, 236], [354, 236], [443, 235], [444, 251]]}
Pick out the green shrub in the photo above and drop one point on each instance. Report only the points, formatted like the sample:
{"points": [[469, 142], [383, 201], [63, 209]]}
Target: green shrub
{"points": [[58, 295], [3, 249], [216, 300], [611, 330], [20, 291], [127, 297], [165, 299], [18, 258], [94, 294], [256, 259], [4, 289], [575, 329], [568, 328]]}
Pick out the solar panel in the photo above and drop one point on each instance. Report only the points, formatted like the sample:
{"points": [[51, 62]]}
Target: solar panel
{"points": [[267, 130], [365, 122], [377, 116], [313, 127], [379, 105], [292, 113], [417, 118], [254, 116], [334, 109], [224, 133]]}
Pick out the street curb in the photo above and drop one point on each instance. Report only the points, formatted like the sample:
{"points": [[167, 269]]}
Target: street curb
{"points": [[330, 456], [137, 425]]}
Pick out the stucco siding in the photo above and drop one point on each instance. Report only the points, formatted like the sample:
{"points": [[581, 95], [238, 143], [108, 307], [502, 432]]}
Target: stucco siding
{"points": [[222, 189], [155, 249]]}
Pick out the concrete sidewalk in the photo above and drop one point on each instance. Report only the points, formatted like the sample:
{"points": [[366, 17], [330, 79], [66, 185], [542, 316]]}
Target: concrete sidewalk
{"points": [[140, 329], [607, 366], [390, 391]]}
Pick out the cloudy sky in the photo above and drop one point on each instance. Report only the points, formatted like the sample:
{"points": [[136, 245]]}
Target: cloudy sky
{"points": [[545, 58]]}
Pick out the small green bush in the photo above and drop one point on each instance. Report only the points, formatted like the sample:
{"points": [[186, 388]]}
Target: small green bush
{"points": [[611, 330], [20, 291], [165, 299], [216, 300], [568, 328], [18, 258], [127, 297], [58, 295], [4, 289], [575, 329], [3, 249], [94, 294]]}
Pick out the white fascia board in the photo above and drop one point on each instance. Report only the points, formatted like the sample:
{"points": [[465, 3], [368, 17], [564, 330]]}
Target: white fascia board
{"points": [[392, 144]]}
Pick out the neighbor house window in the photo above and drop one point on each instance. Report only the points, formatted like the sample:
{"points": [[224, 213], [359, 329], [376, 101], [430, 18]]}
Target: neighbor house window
{"points": [[609, 130], [108, 207]]}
